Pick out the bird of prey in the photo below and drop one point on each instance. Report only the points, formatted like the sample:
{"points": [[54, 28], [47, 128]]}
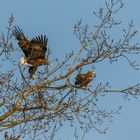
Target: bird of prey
{"points": [[34, 50], [82, 80]]}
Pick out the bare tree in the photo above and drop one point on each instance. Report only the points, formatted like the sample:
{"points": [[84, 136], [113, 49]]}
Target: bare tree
{"points": [[43, 105]]}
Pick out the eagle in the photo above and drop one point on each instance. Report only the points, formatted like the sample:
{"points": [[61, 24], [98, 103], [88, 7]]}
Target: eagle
{"points": [[82, 80], [34, 50]]}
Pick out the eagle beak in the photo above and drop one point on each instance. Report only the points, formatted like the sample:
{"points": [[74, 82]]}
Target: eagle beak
{"points": [[94, 73], [50, 64]]}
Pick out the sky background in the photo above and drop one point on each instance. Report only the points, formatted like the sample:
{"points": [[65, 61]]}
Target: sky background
{"points": [[56, 19]]}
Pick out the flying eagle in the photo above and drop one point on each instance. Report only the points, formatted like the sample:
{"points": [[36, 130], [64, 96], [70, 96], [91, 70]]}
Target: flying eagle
{"points": [[83, 79], [34, 50]]}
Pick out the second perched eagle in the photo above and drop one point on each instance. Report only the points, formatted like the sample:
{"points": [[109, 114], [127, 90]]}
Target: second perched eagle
{"points": [[34, 50], [83, 79]]}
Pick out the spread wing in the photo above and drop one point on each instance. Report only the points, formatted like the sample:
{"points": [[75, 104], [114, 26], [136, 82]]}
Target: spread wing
{"points": [[23, 42], [39, 47]]}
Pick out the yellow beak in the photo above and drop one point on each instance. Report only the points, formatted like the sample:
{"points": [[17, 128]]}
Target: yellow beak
{"points": [[93, 72]]}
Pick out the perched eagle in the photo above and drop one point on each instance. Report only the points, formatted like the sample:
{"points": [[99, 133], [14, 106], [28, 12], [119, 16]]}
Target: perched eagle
{"points": [[34, 50], [83, 79]]}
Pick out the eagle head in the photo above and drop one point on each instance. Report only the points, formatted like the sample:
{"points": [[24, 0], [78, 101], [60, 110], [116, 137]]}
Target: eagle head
{"points": [[92, 73], [23, 61]]}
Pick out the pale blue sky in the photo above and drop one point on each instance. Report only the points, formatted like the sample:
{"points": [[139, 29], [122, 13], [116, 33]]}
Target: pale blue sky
{"points": [[56, 18]]}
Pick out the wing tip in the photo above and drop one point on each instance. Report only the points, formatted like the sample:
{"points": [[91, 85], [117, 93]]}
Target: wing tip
{"points": [[17, 31], [41, 39]]}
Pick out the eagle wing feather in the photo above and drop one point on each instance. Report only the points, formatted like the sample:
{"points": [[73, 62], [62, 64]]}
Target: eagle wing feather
{"points": [[39, 47], [24, 43]]}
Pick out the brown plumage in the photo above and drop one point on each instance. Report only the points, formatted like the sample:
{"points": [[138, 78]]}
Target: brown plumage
{"points": [[34, 50], [83, 79]]}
